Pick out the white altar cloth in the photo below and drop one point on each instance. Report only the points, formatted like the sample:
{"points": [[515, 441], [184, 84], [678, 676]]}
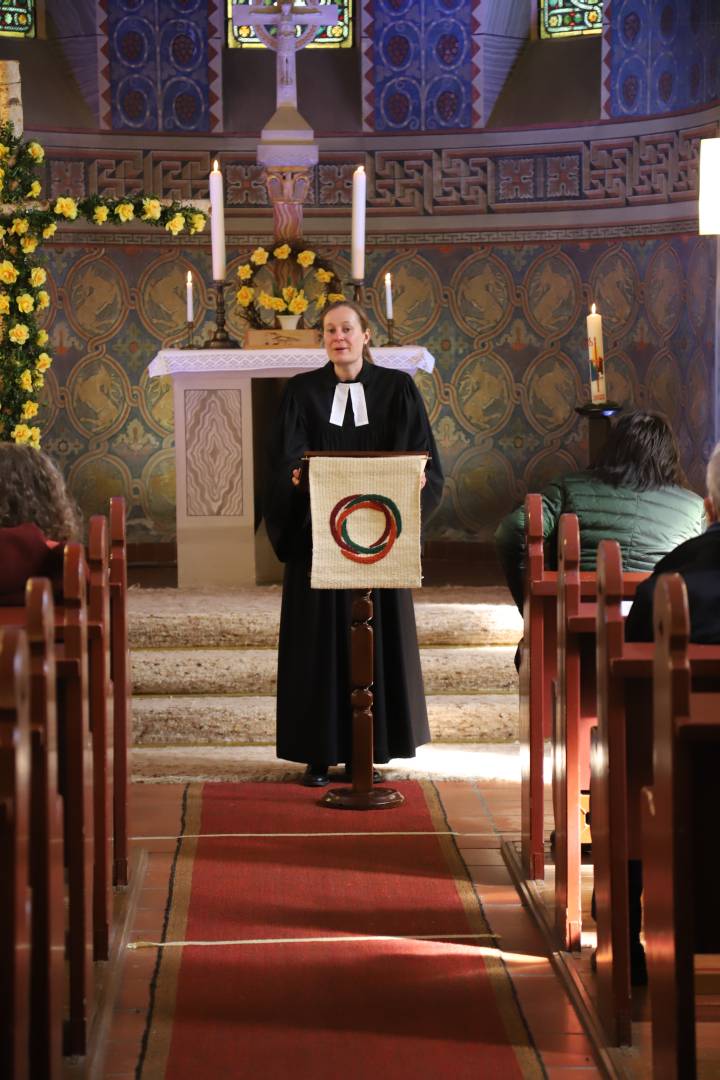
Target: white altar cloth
{"points": [[270, 363]]}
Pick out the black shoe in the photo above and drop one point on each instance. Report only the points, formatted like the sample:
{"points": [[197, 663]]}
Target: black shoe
{"points": [[347, 776], [315, 776]]}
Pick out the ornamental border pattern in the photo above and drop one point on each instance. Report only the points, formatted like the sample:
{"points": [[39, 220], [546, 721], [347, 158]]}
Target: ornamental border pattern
{"points": [[646, 169], [543, 234]]}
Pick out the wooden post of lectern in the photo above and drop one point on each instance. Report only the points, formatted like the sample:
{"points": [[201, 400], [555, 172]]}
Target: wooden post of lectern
{"points": [[362, 795]]}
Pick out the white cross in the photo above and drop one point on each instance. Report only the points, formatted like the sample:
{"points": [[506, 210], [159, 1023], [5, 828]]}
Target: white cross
{"points": [[285, 15]]}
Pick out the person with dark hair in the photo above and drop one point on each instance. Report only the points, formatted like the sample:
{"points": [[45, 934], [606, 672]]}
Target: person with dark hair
{"points": [[633, 494], [384, 413], [36, 516]]}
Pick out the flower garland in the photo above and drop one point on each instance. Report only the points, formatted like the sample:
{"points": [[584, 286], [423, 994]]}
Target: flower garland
{"points": [[23, 356], [293, 268]]}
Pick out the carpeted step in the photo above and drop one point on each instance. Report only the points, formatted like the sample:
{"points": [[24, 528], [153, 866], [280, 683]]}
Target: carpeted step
{"points": [[213, 720], [215, 618], [458, 670]]}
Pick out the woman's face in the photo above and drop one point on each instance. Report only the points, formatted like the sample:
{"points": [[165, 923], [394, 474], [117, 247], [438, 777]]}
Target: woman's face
{"points": [[344, 337]]}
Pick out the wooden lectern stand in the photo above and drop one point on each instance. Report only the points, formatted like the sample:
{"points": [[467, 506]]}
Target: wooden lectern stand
{"points": [[362, 795]]}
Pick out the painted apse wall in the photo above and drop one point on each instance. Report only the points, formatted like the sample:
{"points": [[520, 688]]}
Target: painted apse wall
{"points": [[505, 321], [503, 313]]}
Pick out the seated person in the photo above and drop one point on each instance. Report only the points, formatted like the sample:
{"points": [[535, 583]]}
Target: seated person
{"points": [[36, 517], [698, 561], [632, 494]]}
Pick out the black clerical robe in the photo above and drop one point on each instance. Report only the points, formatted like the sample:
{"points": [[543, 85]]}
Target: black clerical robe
{"points": [[314, 719]]}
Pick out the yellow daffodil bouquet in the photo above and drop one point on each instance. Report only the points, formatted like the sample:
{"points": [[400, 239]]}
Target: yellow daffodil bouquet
{"points": [[288, 279], [24, 224]]}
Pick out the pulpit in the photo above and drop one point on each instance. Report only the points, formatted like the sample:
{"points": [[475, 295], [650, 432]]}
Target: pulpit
{"points": [[212, 392]]}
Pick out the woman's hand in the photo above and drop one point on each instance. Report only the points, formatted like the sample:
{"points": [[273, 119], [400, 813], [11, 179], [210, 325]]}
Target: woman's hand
{"points": [[295, 477]]}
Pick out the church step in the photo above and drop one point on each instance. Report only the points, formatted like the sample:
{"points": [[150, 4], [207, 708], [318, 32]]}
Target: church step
{"points": [[213, 720], [456, 670], [207, 618]]}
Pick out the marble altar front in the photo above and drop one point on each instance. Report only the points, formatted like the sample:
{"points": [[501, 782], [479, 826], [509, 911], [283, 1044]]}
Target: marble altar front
{"points": [[212, 392]]}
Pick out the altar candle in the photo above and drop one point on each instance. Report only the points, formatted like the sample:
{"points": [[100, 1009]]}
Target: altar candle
{"points": [[189, 291], [596, 357], [217, 223], [358, 224], [388, 296]]}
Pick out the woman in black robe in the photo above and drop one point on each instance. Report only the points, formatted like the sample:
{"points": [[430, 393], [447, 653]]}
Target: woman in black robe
{"points": [[314, 718]]}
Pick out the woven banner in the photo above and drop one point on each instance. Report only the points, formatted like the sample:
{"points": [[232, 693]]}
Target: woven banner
{"points": [[366, 522]]}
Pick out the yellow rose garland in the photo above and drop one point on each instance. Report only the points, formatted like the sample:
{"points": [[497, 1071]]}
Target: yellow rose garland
{"points": [[23, 359]]}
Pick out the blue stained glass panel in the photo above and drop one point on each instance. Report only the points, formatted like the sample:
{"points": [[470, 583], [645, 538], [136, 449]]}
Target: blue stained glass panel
{"points": [[334, 37], [569, 18]]}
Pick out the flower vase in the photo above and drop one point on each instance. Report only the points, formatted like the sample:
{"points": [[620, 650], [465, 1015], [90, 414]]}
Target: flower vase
{"points": [[288, 322]]}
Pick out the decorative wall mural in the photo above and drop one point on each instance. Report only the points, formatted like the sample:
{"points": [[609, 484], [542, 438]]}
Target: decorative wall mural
{"points": [[614, 289], [481, 294], [660, 57], [507, 330]]}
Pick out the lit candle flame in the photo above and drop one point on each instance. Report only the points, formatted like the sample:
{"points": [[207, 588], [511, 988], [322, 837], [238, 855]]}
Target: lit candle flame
{"points": [[216, 167], [592, 310]]}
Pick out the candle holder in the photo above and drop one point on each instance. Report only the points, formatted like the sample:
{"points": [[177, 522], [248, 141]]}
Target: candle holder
{"points": [[390, 332], [190, 326], [357, 287], [220, 338], [598, 418]]}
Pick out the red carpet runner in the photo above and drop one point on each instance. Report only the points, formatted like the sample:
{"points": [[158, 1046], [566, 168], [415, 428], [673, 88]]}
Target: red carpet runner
{"points": [[363, 992]]}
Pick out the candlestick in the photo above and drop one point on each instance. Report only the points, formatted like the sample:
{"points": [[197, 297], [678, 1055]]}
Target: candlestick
{"points": [[358, 224], [217, 223], [391, 331], [220, 338], [596, 357], [190, 325], [388, 297], [189, 297]]}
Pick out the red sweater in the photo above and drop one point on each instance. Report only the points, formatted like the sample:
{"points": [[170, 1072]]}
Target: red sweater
{"points": [[24, 553]]}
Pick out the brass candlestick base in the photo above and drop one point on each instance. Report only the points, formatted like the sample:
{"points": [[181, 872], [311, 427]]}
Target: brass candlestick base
{"points": [[391, 332], [220, 338], [190, 325], [357, 286]]}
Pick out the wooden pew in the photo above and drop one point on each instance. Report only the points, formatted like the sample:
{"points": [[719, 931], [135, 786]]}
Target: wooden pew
{"points": [[122, 690], [682, 877], [46, 849], [538, 669], [575, 715], [621, 764], [15, 901], [100, 691], [76, 773]]}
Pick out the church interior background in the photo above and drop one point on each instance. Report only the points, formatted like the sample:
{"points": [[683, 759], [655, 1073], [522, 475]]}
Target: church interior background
{"points": [[512, 180]]}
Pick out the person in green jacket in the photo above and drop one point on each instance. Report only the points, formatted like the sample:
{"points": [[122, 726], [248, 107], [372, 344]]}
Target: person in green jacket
{"points": [[632, 494]]}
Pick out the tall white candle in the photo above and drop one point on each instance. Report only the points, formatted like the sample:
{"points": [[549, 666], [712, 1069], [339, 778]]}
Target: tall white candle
{"points": [[388, 296], [358, 224], [217, 223], [189, 292], [596, 356]]}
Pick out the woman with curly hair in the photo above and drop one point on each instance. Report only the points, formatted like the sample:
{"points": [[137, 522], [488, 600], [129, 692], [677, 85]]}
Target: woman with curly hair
{"points": [[37, 515]]}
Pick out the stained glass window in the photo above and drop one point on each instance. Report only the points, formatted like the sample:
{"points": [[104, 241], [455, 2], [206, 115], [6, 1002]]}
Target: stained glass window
{"points": [[17, 18], [568, 18], [333, 37]]}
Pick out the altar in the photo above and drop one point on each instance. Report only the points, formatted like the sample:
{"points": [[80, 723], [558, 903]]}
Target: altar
{"points": [[212, 394]]}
